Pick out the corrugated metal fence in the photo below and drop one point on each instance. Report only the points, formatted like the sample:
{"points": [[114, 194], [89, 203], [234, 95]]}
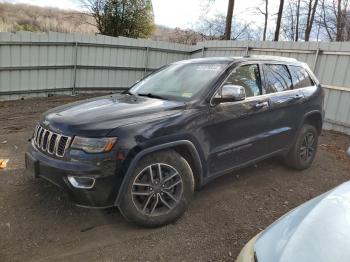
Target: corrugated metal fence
{"points": [[40, 63], [52, 62]]}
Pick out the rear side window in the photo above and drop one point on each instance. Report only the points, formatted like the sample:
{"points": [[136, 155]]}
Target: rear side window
{"points": [[277, 79], [300, 76]]}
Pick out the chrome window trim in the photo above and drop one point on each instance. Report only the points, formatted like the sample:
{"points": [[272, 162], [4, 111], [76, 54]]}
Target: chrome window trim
{"points": [[260, 63]]}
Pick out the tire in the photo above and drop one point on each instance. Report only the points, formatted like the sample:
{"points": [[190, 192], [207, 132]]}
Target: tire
{"points": [[162, 199], [301, 155]]}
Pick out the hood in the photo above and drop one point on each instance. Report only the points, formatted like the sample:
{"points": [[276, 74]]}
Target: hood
{"points": [[97, 116], [318, 230]]}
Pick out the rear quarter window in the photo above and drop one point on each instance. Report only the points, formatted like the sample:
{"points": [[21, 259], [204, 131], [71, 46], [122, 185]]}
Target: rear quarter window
{"points": [[300, 77]]}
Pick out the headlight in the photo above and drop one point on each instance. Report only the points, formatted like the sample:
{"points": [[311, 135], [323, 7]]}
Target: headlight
{"points": [[94, 145]]}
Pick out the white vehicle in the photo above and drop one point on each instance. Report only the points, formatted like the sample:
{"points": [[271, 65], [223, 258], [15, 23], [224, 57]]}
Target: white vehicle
{"points": [[318, 230]]}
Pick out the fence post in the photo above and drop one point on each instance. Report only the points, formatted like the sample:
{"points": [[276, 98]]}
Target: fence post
{"points": [[75, 67], [146, 61], [316, 59]]}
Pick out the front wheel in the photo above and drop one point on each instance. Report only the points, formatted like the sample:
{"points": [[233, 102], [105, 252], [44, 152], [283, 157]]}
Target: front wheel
{"points": [[303, 152], [159, 190]]}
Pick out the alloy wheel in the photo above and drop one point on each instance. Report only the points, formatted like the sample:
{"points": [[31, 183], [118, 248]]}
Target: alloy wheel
{"points": [[157, 189], [307, 147]]}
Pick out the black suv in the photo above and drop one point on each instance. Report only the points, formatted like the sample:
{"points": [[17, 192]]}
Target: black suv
{"points": [[147, 149]]}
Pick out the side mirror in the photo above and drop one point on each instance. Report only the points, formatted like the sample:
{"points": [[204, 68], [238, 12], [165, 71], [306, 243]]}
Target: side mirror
{"points": [[348, 152], [230, 93]]}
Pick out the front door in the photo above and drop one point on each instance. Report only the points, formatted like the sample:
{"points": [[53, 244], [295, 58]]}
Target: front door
{"points": [[237, 131]]}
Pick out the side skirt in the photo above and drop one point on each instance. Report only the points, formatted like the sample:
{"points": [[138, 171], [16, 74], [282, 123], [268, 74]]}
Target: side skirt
{"points": [[211, 177]]}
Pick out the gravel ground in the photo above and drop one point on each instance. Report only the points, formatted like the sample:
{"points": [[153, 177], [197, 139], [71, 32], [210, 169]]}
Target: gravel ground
{"points": [[38, 223]]}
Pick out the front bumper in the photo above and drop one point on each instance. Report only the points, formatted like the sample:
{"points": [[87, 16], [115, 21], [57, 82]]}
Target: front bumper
{"points": [[247, 253], [101, 168]]}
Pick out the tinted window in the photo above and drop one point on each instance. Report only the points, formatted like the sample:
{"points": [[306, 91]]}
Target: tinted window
{"points": [[300, 77], [277, 79], [247, 76]]}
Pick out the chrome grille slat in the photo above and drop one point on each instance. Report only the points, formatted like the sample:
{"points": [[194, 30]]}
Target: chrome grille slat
{"points": [[37, 135], [51, 149], [67, 144], [57, 141], [50, 142], [41, 136], [61, 146], [35, 132], [45, 139]]}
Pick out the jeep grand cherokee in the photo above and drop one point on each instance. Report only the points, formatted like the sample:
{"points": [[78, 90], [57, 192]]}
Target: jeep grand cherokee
{"points": [[146, 150]]}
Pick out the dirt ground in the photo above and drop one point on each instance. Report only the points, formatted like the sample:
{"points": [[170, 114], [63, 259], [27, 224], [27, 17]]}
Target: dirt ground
{"points": [[38, 223]]}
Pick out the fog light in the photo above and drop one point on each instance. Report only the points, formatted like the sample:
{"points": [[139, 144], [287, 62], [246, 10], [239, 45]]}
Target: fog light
{"points": [[81, 182]]}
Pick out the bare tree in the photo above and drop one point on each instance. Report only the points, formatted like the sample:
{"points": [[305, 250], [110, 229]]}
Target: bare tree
{"points": [[279, 19], [214, 29], [288, 21], [300, 17], [327, 21], [297, 22], [334, 19], [310, 18], [229, 16], [266, 15], [339, 21]]}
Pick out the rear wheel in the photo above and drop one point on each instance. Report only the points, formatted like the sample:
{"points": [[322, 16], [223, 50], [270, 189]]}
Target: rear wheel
{"points": [[302, 154], [159, 190]]}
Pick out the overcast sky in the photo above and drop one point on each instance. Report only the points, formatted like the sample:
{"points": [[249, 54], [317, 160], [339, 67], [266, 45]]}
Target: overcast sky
{"points": [[177, 13]]}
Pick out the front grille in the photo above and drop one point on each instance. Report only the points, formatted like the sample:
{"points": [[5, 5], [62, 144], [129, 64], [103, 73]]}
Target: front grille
{"points": [[50, 142]]}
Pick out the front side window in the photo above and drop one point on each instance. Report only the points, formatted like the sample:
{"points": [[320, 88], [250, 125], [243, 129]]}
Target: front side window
{"points": [[180, 81], [277, 79], [247, 76], [300, 76]]}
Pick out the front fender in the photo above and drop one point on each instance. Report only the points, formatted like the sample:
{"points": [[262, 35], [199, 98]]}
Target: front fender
{"points": [[190, 146]]}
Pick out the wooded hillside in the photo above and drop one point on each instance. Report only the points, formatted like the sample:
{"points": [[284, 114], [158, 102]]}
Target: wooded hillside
{"points": [[20, 17]]}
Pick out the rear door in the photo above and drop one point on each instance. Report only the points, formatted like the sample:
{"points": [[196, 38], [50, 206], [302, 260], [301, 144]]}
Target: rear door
{"points": [[284, 104], [302, 81]]}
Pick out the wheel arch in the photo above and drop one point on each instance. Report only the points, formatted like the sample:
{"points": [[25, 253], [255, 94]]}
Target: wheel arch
{"points": [[184, 147], [314, 118]]}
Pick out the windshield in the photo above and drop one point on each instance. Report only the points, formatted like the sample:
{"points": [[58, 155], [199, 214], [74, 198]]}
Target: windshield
{"points": [[180, 81]]}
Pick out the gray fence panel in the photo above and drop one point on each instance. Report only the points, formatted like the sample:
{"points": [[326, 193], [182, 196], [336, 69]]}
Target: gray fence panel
{"points": [[53, 62], [337, 110], [33, 64]]}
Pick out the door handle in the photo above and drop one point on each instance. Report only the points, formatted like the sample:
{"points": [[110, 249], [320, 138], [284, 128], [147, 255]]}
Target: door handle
{"points": [[298, 96], [261, 105]]}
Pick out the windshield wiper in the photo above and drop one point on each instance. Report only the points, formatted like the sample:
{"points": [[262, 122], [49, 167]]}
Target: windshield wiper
{"points": [[153, 96]]}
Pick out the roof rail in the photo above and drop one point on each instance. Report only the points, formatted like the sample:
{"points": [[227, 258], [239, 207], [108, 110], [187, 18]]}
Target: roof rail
{"points": [[270, 57]]}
